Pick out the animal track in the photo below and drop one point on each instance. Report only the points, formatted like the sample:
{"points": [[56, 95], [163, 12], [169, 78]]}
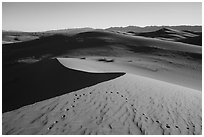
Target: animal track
{"points": [[111, 109]]}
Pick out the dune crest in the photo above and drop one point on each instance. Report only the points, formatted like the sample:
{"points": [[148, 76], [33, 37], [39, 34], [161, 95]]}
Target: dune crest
{"points": [[43, 80], [155, 88], [138, 66]]}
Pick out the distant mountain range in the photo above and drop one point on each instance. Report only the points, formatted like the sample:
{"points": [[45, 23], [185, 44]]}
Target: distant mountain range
{"points": [[71, 31], [124, 29], [155, 28]]}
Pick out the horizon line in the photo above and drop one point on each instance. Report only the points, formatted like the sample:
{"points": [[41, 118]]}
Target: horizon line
{"points": [[102, 28]]}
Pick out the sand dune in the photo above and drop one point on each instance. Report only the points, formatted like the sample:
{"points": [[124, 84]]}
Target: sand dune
{"points": [[107, 83], [189, 37], [125, 105], [29, 83], [138, 41], [169, 72], [58, 45]]}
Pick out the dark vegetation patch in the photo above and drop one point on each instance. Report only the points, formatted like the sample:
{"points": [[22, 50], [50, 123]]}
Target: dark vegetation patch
{"points": [[106, 60]]}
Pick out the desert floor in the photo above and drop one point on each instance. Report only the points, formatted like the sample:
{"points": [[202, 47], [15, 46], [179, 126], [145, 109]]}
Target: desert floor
{"points": [[102, 82], [152, 99]]}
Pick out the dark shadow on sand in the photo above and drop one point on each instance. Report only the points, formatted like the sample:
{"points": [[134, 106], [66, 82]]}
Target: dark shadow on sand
{"points": [[26, 84]]}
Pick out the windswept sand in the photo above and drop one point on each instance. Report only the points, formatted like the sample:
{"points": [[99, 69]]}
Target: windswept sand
{"points": [[155, 88], [171, 71], [129, 104]]}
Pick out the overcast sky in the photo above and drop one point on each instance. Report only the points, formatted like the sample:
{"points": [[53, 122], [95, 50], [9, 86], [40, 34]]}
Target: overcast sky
{"points": [[47, 16]]}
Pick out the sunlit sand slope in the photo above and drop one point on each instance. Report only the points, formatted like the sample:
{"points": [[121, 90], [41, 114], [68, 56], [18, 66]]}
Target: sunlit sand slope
{"points": [[129, 104]]}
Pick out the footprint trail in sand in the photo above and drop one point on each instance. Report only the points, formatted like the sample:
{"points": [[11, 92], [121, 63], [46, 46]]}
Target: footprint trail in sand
{"points": [[125, 105]]}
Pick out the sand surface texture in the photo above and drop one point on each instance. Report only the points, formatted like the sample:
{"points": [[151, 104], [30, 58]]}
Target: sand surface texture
{"points": [[101, 82], [180, 72], [129, 104]]}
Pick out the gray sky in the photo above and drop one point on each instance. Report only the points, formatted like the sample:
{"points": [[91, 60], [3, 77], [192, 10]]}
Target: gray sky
{"points": [[46, 16]]}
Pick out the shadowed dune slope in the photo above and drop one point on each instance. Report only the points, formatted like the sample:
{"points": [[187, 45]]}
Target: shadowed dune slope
{"points": [[77, 102], [29, 83], [136, 41], [96, 42]]}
